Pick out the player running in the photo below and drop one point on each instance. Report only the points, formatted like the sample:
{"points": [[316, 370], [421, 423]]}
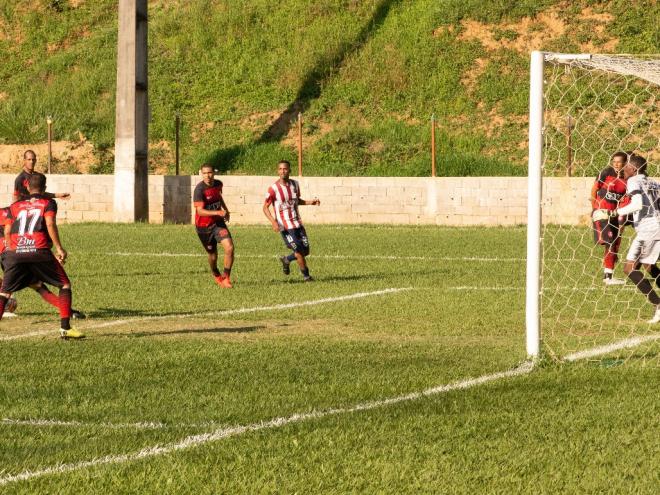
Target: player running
{"points": [[645, 247], [211, 215], [30, 233], [606, 194], [284, 197], [38, 286]]}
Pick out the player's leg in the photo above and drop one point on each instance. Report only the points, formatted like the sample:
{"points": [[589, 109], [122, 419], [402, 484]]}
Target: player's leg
{"points": [[611, 238], [207, 238], [48, 270], [643, 253], [301, 252], [54, 300], [289, 242], [223, 237], [15, 278]]}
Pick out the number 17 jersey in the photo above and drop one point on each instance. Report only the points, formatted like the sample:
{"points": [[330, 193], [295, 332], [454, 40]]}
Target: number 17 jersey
{"points": [[28, 224]]}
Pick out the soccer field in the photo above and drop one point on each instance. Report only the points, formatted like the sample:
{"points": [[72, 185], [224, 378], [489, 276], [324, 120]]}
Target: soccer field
{"points": [[399, 370]]}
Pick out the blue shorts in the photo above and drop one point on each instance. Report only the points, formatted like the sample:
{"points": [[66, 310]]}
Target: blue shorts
{"points": [[296, 240]]}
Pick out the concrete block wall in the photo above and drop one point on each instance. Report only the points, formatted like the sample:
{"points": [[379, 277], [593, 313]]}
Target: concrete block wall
{"points": [[453, 201]]}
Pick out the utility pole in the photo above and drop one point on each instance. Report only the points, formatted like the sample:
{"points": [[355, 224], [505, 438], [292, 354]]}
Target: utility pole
{"points": [[131, 198]]}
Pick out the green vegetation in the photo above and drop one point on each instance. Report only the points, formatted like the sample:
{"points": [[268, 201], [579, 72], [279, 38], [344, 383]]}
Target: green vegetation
{"points": [[585, 427], [366, 74]]}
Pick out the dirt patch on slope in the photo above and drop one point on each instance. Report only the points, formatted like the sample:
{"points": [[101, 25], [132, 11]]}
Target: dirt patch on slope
{"points": [[68, 157]]}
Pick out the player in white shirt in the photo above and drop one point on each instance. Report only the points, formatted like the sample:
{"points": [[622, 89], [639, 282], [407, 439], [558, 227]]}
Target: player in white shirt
{"points": [[645, 248], [284, 197]]}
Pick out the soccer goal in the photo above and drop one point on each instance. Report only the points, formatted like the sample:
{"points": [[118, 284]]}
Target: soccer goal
{"points": [[583, 109]]}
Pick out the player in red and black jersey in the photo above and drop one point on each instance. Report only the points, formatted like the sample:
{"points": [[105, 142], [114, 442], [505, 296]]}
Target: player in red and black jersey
{"points": [[211, 215], [37, 285], [608, 193], [22, 179], [30, 233]]}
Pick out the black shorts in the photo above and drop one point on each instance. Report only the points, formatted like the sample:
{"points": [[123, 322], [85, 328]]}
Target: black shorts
{"points": [[606, 232], [211, 236], [25, 269], [296, 240]]}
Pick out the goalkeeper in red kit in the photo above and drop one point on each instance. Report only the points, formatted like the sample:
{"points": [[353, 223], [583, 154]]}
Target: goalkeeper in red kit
{"points": [[607, 194]]}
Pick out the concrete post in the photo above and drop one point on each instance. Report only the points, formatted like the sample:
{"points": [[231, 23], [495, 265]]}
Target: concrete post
{"points": [[131, 198]]}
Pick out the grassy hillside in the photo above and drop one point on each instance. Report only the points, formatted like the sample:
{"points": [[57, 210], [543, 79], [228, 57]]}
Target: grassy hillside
{"points": [[367, 76]]}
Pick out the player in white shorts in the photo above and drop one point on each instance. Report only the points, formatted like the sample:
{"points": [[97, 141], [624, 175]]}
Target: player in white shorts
{"points": [[645, 248]]}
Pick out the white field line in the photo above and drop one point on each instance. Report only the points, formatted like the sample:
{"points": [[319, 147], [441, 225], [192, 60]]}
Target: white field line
{"points": [[606, 349], [112, 426], [221, 433], [321, 256], [227, 312]]}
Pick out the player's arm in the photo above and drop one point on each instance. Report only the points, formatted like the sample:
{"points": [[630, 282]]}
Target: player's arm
{"points": [[269, 216], [203, 212], [223, 205], [636, 204], [53, 232], [315, 202], [594, 192], [64, 195]]}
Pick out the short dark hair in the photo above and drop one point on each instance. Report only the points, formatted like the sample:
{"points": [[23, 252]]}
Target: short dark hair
{"points": [[37, 182], [639, 162], [286, 162], [620, 154], [206, 165], [28, 151]]}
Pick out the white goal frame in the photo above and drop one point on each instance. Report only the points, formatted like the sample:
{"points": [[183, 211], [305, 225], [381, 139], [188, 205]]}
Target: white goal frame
{"points": [[535, 178]]}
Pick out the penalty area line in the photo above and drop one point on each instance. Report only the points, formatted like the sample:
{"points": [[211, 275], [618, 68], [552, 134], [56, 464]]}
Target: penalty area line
{"points": [[227, 312], [221, 433]]}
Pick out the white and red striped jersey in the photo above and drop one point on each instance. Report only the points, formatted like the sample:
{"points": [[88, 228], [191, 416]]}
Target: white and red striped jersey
{"points": [[284, 199]]}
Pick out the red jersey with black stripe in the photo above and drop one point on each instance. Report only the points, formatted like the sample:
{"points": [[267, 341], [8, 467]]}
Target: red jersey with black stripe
{"points": [[3, 219], [21, 185], [610, 191], [285, 198], [28, 224], [208, 197]]}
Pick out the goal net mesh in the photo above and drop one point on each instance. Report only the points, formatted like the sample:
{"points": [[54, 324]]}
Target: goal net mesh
{"points": [[593, 107]]}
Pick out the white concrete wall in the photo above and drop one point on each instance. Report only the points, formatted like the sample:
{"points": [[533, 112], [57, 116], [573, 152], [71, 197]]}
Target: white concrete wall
{"points": [[380, 200]]}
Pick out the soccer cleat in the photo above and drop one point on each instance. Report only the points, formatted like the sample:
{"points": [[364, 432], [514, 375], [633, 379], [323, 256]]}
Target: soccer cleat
{"points": [[226, 283], [9, 314], [656, 316], [308, 278], [77, 315], [218, 279], [613, 281], [285, 265], [71, 334]]}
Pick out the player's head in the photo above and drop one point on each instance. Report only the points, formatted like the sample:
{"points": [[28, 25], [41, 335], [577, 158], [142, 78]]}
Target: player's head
{"points": [[29, 160], [636, 166], [284, 169], [37, 183], [618, 160], [208, 173]]}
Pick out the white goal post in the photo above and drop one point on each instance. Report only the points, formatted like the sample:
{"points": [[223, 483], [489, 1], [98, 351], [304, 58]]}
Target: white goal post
{"points": [[582, 109]]}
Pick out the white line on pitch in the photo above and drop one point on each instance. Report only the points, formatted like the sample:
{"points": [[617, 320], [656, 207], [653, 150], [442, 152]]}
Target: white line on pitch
{"points": [[606, 349], [221, 433], [227, 312], [326, 256], [258, 309], [116, 426]]}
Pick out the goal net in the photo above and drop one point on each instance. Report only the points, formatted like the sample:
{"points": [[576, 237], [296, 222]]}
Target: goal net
{"points": [[583, 109]]}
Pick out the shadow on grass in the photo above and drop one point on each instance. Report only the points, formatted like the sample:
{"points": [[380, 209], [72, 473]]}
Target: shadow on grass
{"points": [[326, 67], [190, 331]]}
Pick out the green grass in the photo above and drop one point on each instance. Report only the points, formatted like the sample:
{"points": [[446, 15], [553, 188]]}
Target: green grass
{"points": [[563, 428], [368, 75]]}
